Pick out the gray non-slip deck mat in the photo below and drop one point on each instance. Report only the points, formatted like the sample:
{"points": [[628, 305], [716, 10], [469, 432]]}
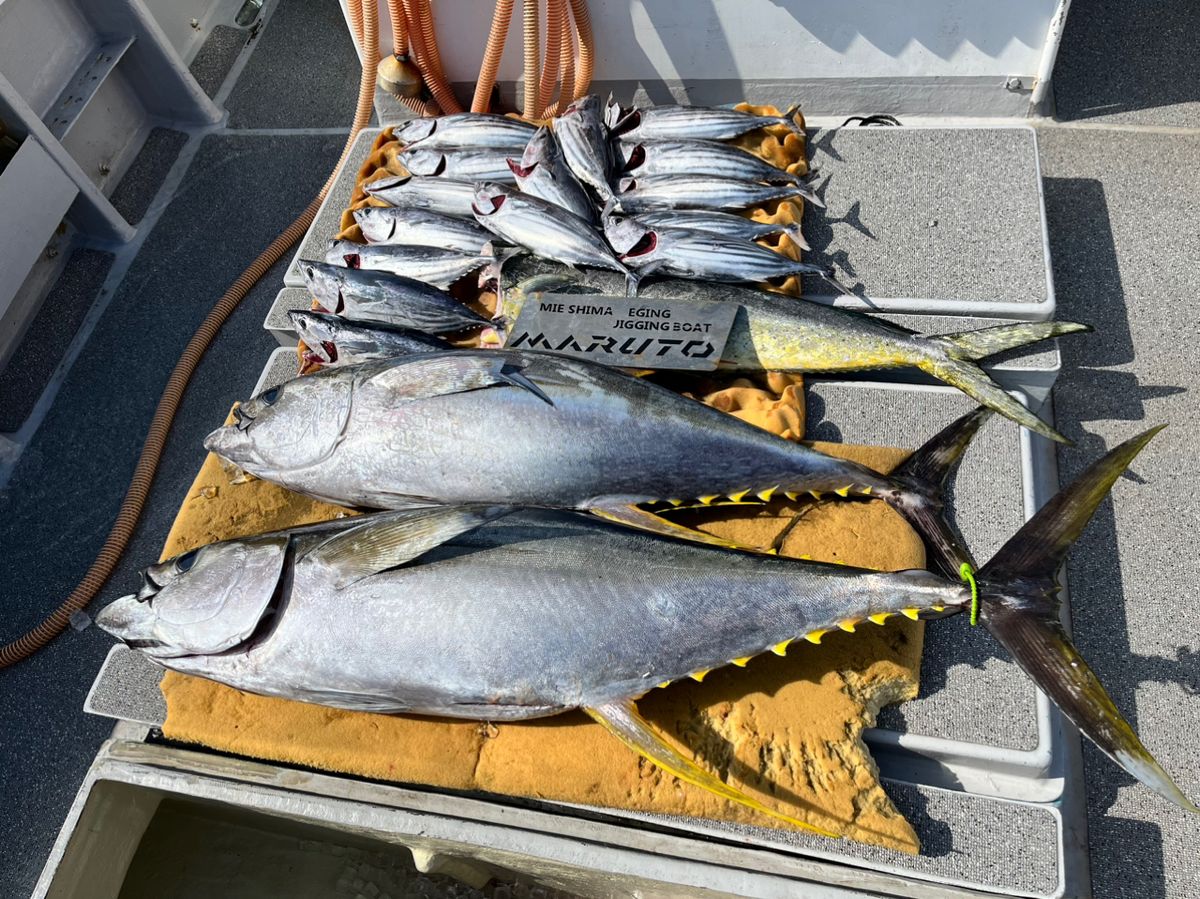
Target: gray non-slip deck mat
{"points": [[962, 665], [32, 364], [304, 73], [329, 219], [945, 214], [141, 182], [217, 55]]}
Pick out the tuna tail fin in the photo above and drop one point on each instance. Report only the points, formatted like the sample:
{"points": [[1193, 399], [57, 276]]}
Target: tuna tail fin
{"points": [[797, 236], [623, 721], [919, 483], [1020, 607], [975, 345], [789, 116], [950, 368]]}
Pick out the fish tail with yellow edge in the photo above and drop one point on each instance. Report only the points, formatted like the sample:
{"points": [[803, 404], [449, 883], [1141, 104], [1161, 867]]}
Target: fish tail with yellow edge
{"points": [[622, 720], [1019, 604]]}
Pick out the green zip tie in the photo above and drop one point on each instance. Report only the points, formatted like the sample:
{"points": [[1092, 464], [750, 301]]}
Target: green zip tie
{"points": [[967, 573]]}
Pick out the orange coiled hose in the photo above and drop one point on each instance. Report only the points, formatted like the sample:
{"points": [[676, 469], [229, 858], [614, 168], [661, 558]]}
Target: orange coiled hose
{"points": [[587, 48], [555, 11], [531, 107], [420, 35], [364, 15], [491, 56], [567, 64], [400, 29]]}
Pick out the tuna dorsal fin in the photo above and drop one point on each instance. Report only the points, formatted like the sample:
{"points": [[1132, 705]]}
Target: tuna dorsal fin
{"points": [[389, 539], [457, 371], [622, 720]]}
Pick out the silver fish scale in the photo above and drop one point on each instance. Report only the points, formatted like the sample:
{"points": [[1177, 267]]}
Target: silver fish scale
{"points": [[698, 192], [399, 225], [432, 265], [459, 163], [698, 157], [549, 231], [696, 123], [444, 195], [466, 129], [585, 146], [702, 254], [551, 179]]}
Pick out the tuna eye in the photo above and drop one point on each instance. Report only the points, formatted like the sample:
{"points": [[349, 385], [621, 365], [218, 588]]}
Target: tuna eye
{"points": [[270, 396], [185, 562]]}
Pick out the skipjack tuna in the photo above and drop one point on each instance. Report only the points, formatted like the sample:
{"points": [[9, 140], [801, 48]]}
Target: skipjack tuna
{"points": [[364, 295], [556, 432], [448, 611]]}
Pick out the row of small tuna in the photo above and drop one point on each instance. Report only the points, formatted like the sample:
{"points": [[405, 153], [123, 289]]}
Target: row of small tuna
{"points": [[653, 195]]}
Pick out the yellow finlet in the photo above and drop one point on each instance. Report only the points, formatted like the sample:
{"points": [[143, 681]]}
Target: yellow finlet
{"points": [[866, 491], [698, 676], [843, 491], [741, 663], [914, 614], [880, 617], [791, 496], [675, 502], [665, 683], [806, 557], [780, 649], [739, 496], [848, 625], [815, 636], [815, 494], [765, 495], [708, 500], [938, 608]]}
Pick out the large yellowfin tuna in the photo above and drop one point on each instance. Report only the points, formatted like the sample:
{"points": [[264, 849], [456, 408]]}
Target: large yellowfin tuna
{"points": [[448, 611]]}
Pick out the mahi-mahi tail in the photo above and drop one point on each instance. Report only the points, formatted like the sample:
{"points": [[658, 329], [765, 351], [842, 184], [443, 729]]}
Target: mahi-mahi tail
{"points": [[954, 357]]}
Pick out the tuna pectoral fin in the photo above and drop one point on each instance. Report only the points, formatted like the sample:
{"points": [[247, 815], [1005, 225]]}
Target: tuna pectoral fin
{"points": [[622, 720], [390, 539], [975, 345], [635, 517], [455, 372], [1020, 607]]}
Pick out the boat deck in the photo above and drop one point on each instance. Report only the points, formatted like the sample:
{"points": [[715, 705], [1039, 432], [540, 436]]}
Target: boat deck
{"points": [[1121, 198]]}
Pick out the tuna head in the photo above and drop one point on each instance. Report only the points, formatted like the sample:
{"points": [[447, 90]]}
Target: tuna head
{"points": [[318, 331], [324, 282], [488, 200], [416, 130], [538, 151], [293, 426], [203, 602], [637, 245]]}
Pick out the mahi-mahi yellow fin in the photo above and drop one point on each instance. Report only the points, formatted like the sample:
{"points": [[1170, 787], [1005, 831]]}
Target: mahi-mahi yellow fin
{"points": [[623, 721]]}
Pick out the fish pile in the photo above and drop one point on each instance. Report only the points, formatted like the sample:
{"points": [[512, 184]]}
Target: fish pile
{"points": [[641, 192], [551, 575]]}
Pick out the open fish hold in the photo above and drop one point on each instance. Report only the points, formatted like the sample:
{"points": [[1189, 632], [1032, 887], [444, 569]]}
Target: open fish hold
{"points": [[772, 332], [556, 432], [399, 612]]}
